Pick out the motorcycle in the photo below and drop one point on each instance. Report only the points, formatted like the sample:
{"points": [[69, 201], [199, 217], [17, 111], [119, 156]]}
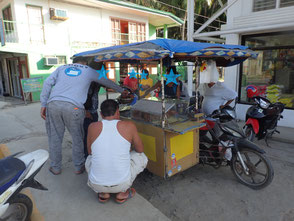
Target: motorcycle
{"points": [[262, 119], [17, 173], [223, 143]]}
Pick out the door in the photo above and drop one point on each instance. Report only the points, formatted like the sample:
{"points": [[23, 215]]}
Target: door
{"points": [[14, 77], [36, 27]]}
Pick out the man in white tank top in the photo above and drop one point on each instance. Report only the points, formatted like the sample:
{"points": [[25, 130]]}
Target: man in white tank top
{"points": [[112, 165]]}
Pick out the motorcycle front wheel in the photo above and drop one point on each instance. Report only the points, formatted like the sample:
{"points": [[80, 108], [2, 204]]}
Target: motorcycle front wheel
{"points": [[20, 208], [249, 133], [260, 172]]}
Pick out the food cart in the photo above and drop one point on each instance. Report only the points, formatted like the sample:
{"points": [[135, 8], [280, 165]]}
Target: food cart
{"points": [[169, 128]]}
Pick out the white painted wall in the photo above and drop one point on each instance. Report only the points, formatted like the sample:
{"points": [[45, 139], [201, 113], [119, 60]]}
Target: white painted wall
{"points": [[240, 15], [85, 24]]}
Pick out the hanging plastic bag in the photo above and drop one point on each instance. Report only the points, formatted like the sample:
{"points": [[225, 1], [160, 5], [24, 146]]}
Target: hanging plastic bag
{"points": [[208, 72]]}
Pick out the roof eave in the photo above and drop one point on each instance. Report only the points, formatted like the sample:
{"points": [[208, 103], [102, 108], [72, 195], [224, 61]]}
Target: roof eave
{"points": [[177, 20]]}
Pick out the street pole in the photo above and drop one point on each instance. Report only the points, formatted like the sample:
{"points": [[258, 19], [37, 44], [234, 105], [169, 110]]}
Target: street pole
{"points": [[190, 31]]}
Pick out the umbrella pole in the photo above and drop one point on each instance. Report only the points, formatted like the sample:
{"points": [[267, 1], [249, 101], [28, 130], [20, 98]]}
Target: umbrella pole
{"points": [[163, 118], [138, 79], [197, 78]]}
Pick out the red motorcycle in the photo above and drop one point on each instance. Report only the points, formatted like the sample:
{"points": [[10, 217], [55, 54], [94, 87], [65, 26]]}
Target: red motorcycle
{"points": [[262, 119], [223, 143]]}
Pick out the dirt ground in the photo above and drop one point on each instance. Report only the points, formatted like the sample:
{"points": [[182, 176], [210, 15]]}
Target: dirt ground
{"points": [[203, 193]]}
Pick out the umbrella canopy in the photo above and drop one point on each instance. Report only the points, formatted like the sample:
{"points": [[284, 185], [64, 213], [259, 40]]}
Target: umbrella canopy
{"points": [[178, 50]]}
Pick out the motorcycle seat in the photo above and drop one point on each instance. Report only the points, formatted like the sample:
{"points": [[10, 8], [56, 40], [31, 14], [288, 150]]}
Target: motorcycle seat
{"points": [[10, 170]]}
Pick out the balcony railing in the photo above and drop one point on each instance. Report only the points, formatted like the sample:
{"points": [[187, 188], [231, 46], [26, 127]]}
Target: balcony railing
{"points": [[123, 38], [24, 33]]}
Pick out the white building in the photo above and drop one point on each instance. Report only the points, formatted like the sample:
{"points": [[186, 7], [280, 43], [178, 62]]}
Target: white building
{"points": [[266, 26], [37, 35]]}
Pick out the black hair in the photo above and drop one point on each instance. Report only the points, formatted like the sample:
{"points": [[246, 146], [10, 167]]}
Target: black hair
{"points": [[145, 70], [173, 68], [79, 59], [109, 107], [96, 65]]}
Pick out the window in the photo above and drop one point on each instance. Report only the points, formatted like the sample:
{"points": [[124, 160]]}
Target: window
{"points": [[286, 3], [273, 71], [141, 32], [61, 59], [125, 32], [261, 5], [115, 31], [7, 17]]}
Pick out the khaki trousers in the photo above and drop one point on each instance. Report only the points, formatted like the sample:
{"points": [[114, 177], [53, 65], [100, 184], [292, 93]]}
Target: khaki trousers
{"points": [[138, 164]]}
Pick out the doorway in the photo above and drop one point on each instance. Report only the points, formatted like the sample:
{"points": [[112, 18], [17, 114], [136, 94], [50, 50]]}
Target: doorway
{"points": [[14, 77], [2, 81]]}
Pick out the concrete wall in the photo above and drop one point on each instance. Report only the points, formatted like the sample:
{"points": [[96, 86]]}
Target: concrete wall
{"points": [[240, 15], [85, 26], [152, 32]]}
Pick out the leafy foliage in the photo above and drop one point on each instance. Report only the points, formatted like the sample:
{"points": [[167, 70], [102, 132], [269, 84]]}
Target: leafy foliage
{"points": [[203, 9]]}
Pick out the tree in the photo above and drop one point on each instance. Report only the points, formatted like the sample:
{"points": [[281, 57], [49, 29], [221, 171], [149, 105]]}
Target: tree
{"points": [[203, 11]]}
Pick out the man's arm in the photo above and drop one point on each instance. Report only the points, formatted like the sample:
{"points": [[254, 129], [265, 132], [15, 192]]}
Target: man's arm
{"points": [[47, 87], [229, 95], [103, 81], [136, 140], [110, 84], [158, 84], [91, 136], [226, 104]]}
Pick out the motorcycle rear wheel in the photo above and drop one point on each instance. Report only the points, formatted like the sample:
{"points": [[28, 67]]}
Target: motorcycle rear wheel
{"points": [[249, 133], [20, 208], [261, 172]]}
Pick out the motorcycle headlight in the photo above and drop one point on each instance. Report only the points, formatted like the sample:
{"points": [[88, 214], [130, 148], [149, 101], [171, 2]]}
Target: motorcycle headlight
{"points": [[264, 104]]}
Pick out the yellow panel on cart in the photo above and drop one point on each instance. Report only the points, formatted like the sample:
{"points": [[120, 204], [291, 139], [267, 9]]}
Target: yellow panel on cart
{"points": [[182, 145], [149, 146]]}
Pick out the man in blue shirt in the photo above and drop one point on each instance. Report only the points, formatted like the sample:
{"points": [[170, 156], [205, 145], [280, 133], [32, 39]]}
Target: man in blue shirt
{"points": [[62, 105]]}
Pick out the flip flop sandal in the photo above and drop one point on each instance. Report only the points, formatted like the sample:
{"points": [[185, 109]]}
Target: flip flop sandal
{"points": [[54, 172], [132, 193], [102, 199], [82, 170]]}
